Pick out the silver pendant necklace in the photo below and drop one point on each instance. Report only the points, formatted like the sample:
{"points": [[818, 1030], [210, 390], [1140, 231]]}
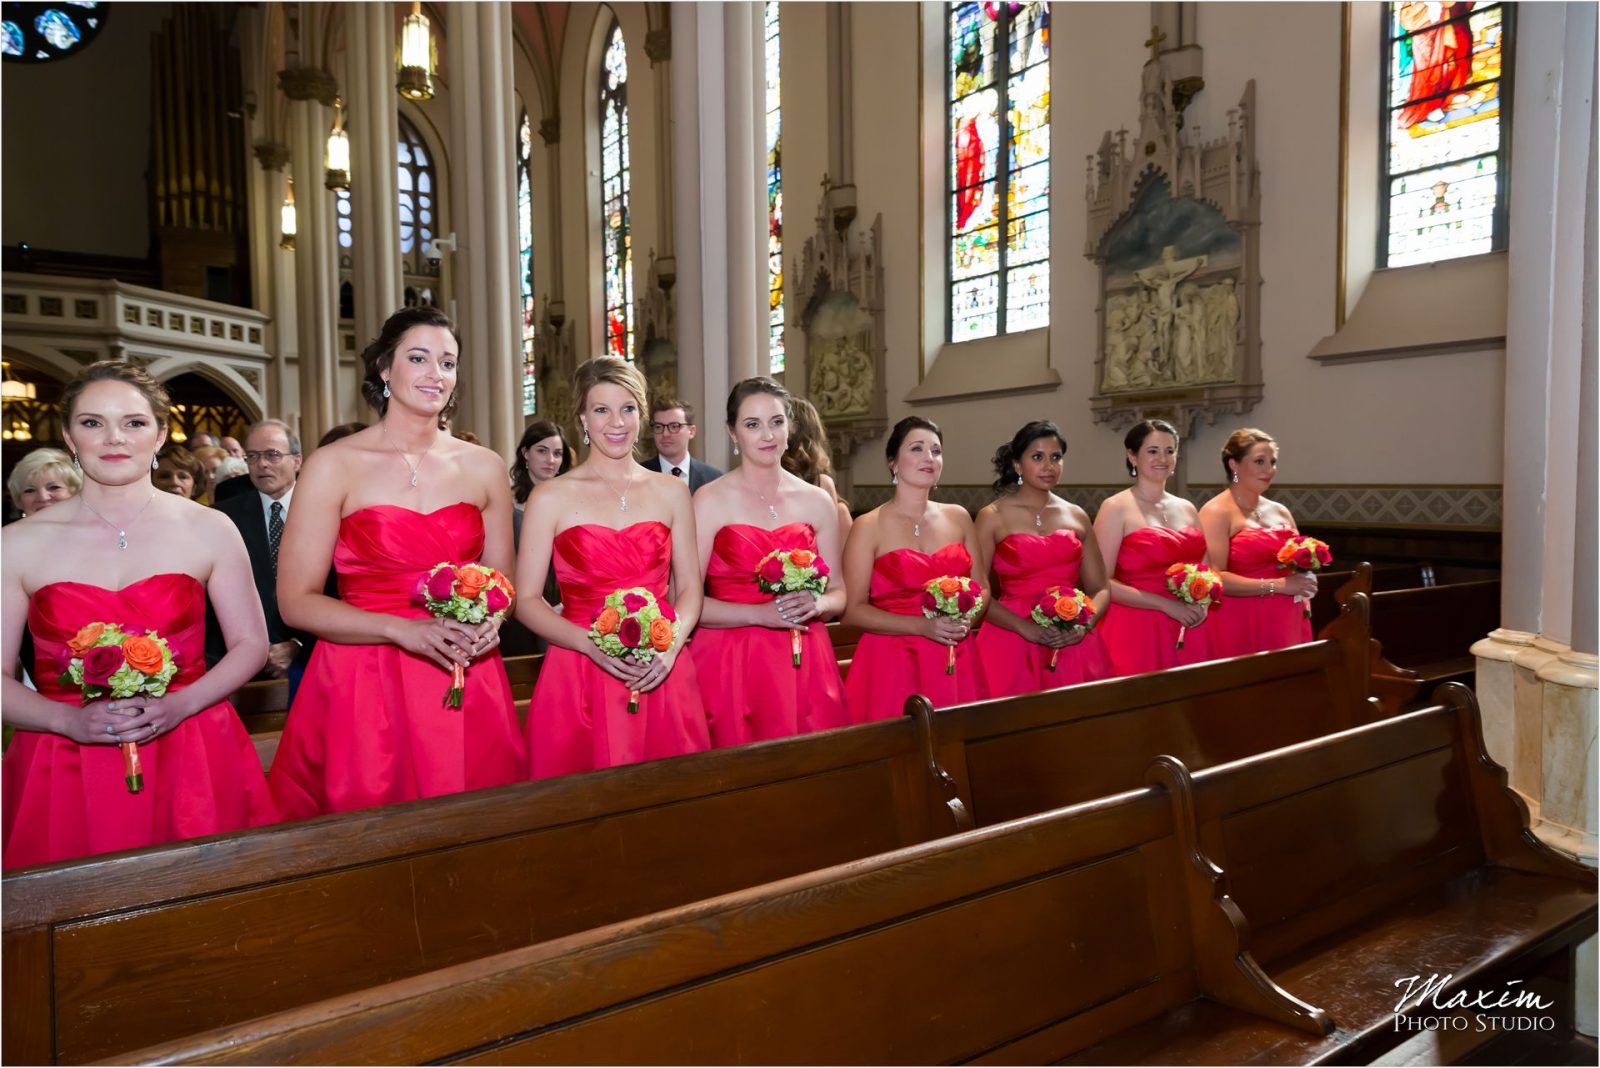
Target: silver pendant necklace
{"points": [[122, 532], [622, 498], [771, 511], [1160, 505], [416, 468]]}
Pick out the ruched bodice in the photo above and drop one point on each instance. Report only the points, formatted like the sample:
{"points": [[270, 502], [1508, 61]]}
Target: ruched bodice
{"points": [[1146, 639], [171, 605], [1145, 555], [1026, 565], [593, 561], [738, 549], [900, 576], [1253, 551], [384, 550], [1257, 624]]}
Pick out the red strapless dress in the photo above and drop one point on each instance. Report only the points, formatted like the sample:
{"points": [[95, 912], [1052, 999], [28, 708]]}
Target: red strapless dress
{"points": [[1256, 624], [1026, 565], [1143, 639], [579, 718], [369, 726], [65, 800], [888, 668], [756, 692]]}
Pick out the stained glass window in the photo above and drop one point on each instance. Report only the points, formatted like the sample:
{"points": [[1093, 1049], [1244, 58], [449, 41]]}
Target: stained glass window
{"points": [[998, 209], [525, 258], [615, 228], [1447, 135], [417, 183], [39, 33], [774, 193], [341, 203]]}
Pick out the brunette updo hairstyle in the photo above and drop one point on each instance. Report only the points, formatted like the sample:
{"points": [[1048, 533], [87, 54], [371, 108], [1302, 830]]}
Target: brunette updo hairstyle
{"points": [[613, 371], [1239, 443], [1005, 474], [521, 481], [378, 356], [116, 371], [750, 387], [807, 456], [1141, 430], [902, 429]]}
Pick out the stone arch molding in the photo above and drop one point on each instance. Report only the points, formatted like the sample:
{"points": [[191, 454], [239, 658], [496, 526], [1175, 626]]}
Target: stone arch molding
{"points": [[243, 385], [45, 359]]}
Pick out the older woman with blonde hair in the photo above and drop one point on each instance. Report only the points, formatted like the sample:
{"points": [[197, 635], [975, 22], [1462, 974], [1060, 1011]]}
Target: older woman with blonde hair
{"points": [[42, 478]]}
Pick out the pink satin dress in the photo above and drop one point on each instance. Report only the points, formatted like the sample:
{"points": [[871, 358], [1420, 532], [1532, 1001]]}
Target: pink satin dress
{"points": [[579, 719], [65, 800], [1144, 639], [1256, 624], [888, 668], [369, 726], [756, 692], [1026, 565]]}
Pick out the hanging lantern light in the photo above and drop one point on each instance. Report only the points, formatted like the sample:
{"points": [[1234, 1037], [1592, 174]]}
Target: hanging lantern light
{"points": [[336, 162], [418, 60], [287, 222]]}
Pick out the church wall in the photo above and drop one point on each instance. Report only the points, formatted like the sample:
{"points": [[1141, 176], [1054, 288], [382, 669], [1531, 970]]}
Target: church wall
{"points": [[1425, 420], [83, 126]]}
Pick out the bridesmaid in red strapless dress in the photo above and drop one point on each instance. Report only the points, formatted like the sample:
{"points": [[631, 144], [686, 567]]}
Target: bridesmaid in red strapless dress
{"points": [[902, 652], [757, 691], [1142, 531], [1033, 540], [386, 504], [122, 553], [368, 726], [579, 719], [1247, 530]]}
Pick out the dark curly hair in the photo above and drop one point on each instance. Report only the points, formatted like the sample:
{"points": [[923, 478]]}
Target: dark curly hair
{"points": [[378, 356], [1011, 452]]}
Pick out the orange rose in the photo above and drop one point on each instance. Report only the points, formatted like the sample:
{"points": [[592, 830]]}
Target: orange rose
{"points": [[608, 622], [1285, 553], [661, 634], [802, 557], [471, 581], [1067, 609], [84, 640], [1199, 588], [142, 653], [949, 586]]}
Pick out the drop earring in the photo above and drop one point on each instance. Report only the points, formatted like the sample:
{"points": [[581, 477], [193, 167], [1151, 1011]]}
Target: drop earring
{"points": [[894, 478], [152, 463], [736, 448], [1019, 478], [586, 435], [386, 389], [1236, 477], [75, 465]]}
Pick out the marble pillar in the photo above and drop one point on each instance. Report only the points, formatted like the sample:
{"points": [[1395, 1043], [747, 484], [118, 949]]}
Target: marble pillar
{"points": [[374, 105]]}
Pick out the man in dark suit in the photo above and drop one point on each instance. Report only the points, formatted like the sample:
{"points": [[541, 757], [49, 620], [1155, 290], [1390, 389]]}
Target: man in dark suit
{"points": [[273, 452], [672, 426]]}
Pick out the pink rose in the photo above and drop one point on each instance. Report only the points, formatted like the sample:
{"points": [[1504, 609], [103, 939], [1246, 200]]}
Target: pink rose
{"points": [[668, 612], [100, 663], [964, 601], [632, 602], [496, 599], [442, 584], [929, 603], [1047, 604], [1324, 555], [821, 565], [772, 570], [630, 634], [976, 588], [1305, 558]]}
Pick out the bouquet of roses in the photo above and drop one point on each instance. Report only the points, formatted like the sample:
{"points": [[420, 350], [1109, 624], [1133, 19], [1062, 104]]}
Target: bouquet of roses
{"points": [[956, 596], [1194, 584], [791, 571], [466, 593], [633, 623], [1301, 555], [1063, 609], [112, 660]]}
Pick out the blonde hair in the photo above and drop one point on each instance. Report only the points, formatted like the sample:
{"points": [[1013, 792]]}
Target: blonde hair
{"points": [[40, 461], [1239, 443], [608, 370]]}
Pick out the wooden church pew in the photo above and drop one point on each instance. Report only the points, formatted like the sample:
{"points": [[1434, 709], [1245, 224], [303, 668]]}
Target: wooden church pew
{"points": [[149, 945], [1218, 916], [1429, 631]]}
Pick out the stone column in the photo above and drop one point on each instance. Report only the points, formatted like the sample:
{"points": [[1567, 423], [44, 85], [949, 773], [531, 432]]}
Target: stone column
{"points": [[374, 203], [275, 288], [483, 205], [746, 157], [316, 264]]}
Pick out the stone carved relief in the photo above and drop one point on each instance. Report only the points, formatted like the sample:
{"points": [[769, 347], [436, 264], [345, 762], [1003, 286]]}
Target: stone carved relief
{"points": [[836, 353], [1174, 226], [655, 330]]}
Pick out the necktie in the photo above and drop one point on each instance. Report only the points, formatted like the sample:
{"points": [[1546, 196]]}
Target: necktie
{"points": [[275, 532], [677, 472]]}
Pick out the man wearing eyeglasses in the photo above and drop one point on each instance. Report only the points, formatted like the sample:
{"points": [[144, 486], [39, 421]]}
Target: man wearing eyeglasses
{"points": [[672, 426], [273, 452]]}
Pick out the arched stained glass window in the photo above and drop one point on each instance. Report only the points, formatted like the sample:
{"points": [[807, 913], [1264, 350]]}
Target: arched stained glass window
{"points": [[998, 84], [615, 226], [525, 259], [774, 192], [341, 204], [1448, 137], [418, 190], [39, 33]]}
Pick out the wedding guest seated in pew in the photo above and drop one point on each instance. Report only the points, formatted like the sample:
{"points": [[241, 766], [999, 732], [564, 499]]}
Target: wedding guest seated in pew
{"points": [[384, 506], [122, 772], [1142, 532], [775, 671], [895, 551], [1031, 541], [608, 526], [1266, 602]]}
